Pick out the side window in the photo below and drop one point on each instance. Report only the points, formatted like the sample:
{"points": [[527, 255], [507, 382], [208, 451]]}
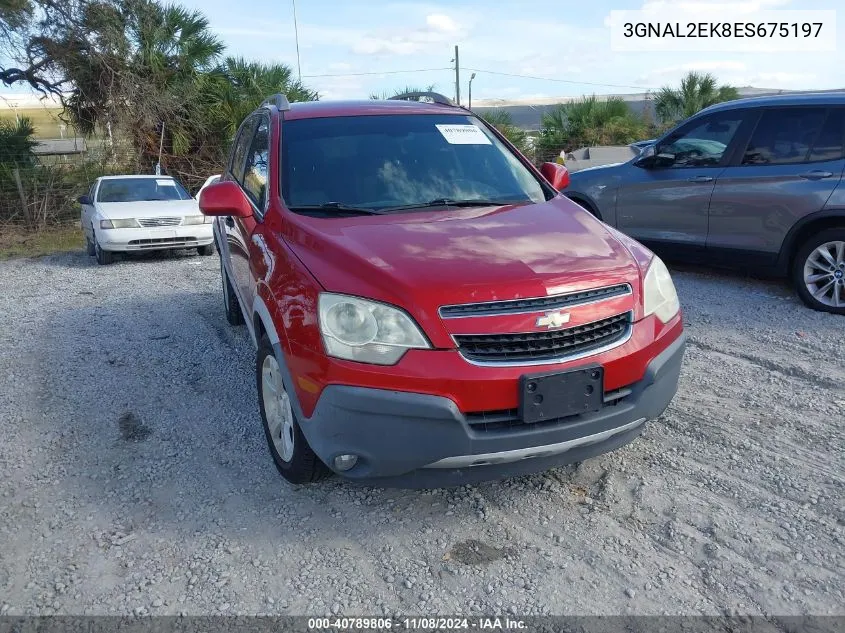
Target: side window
{"points": [[240, 149], [255, 174], [704, 144], [784, 136], [828, 145]]}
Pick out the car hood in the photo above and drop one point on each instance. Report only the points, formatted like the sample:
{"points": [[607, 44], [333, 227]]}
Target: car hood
{"points": [[148, 209], [424, 260]]}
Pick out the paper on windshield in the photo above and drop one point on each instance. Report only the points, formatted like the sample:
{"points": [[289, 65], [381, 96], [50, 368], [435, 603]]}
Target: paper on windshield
{"points": [[165, 183], [463, 134]]}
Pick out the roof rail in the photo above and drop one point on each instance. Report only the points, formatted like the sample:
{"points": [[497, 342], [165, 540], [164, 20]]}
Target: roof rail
{"points": [[279, 100], [434, 96]]}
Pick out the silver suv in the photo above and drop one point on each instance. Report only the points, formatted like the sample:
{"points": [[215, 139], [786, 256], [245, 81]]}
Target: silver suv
{"points": [[753, 184]]}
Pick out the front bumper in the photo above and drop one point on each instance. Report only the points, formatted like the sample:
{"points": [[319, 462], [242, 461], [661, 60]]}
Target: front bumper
{"points": [[419, 440], [155, 239]]}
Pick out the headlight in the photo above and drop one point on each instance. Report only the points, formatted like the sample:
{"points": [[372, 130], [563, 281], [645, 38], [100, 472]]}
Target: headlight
{"points": [[121, 223], [367, 331], [196, 219], [659, 296]]}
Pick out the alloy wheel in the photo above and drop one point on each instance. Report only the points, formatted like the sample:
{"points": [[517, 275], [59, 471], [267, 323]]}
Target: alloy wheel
{"points": [[824, 274], [277, 408]]}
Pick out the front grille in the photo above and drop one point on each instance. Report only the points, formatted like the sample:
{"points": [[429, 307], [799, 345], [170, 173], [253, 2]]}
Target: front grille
{"points": [[532, 347], [539, 304], [149, 223], [506, 419], [158, 241]]}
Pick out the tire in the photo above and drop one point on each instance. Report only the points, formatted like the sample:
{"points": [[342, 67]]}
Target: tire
{"points": [[206, 250], [294, 459], [818, 271], [230, 300], [104, 258], [89, 247]]}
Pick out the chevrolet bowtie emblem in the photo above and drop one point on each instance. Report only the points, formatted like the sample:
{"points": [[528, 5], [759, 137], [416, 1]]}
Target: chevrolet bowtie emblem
{"points": [[553, 319]]}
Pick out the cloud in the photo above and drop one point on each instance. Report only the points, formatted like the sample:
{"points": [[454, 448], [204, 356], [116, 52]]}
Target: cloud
{"points": [[440, 22], [439, 29]]}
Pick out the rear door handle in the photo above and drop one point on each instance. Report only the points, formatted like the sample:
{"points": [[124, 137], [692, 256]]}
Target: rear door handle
{"points": [[816, 174], [700, 179]]}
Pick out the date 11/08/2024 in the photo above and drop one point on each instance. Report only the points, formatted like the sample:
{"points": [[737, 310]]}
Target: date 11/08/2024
{"points": [[415, 624]]}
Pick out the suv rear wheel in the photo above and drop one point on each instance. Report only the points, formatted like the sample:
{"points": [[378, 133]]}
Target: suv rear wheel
{"points": [[819, 271], [293, 457]]}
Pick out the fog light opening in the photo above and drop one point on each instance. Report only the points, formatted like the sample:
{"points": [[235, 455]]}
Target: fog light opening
{"points": [[345, 462]]}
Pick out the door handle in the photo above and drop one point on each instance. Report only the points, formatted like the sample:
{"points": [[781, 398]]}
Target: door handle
{"points": [[700, 179], [229, 222], [816, 174]]}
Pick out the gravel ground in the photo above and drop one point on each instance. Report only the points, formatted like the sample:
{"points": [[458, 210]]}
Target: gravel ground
{"points": [[134, 477]]}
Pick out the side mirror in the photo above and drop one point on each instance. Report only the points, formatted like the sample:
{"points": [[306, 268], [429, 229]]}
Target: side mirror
{"points": [[646, 157], [557, 175], [86, 199], [225, 198]]}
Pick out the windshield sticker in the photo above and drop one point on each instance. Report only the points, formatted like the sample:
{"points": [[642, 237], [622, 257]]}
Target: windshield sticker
{"points": [[165, 183], [463, 134]]}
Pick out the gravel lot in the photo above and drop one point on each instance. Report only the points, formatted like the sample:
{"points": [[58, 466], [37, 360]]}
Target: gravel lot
{"points": [[134, 477]]}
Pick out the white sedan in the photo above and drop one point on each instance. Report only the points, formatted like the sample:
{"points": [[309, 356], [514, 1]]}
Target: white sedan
{"points": [[209, 181], [142, 213]]}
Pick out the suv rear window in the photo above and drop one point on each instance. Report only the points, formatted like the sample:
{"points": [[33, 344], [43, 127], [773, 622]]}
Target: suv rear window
{"points": [[828, 145], [386, 161], [784, 136]]}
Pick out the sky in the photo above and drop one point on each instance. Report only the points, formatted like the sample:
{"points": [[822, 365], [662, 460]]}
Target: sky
{"points": [[563, 44], [562, 40]]}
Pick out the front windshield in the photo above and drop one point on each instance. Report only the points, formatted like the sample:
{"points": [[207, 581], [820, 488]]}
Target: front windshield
{"points": [[387, 161], [140, 190]]}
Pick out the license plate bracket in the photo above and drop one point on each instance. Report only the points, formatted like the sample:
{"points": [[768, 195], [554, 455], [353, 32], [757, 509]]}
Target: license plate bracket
{"points": [[560, 394]]}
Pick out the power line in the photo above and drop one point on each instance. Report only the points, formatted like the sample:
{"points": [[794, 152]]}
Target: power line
{"points": [[383, 72], [563, 81]]}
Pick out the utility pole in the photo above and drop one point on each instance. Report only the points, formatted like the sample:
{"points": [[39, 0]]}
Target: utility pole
{"points": [[457, 78], [160, 148], [469, 96], [296, 33]]}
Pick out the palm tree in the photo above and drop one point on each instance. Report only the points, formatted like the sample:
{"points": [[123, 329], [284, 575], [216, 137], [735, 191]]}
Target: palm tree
{"points": [[696, 92], [17, 140], [237, 87], [591, 121], [502, 121], [401, 91]]}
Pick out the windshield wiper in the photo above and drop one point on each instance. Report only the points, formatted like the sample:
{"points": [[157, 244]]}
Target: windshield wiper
{"points": [[452, 202], [335, 206]]}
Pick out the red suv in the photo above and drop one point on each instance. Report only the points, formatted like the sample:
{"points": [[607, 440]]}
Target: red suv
{"points": [[428, 308]]}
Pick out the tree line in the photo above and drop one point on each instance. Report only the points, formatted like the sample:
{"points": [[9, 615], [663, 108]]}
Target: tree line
{"points": [[140, 73], [156, 78], [593, 120]]}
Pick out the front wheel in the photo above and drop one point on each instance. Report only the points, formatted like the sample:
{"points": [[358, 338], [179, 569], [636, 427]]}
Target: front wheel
{"points": [[819, 271], [206, 250], [293, 457], [104, 258]]}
